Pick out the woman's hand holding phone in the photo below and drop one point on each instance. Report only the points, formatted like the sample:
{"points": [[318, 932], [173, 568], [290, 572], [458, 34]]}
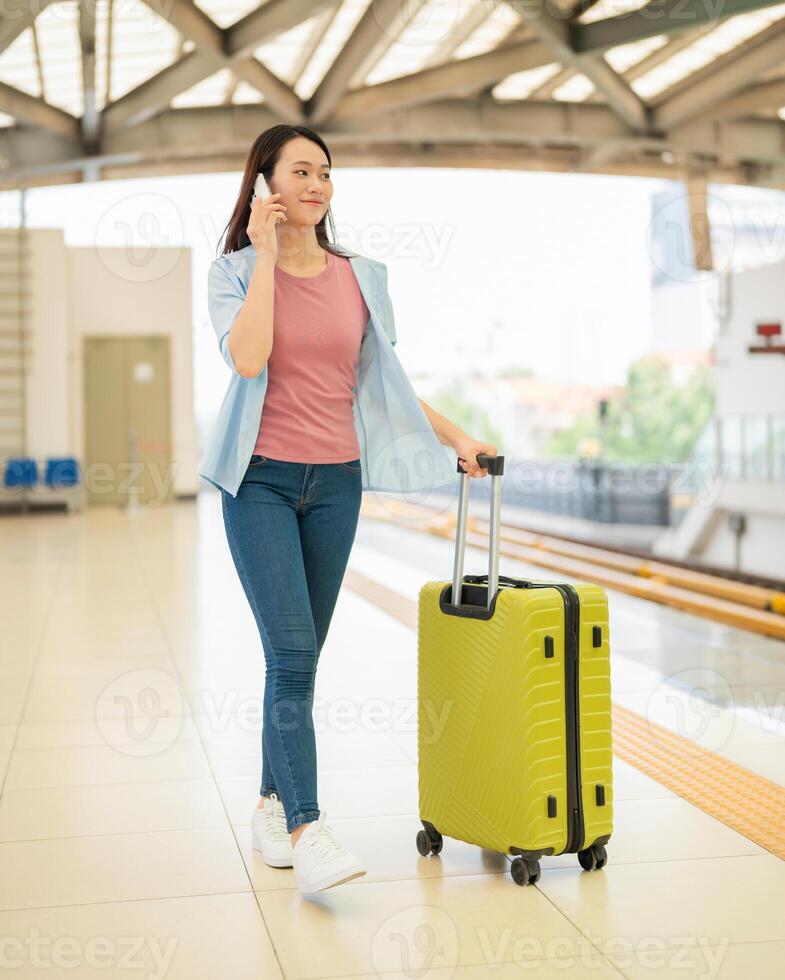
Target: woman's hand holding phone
{"points": [[266, 211]]}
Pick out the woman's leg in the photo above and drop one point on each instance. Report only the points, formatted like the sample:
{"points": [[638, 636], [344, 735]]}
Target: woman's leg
{"points": [[268, 784], [328, 525], [328, 521], [262, 530]]}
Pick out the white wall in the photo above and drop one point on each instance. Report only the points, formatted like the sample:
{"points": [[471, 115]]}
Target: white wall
{"points": [[763, 541], [745, 384], [77, 292], [682, 315], [751, 383]]}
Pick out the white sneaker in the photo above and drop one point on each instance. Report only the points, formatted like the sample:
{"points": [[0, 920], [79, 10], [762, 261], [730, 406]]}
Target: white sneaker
{"points": [[320, 861], [269, 834]]}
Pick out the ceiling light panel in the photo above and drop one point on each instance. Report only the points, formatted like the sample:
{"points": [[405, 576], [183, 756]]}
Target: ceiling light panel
{"points": [[142, 45], [728, 35], [210, 91], [17, 65], [523, 83], [224, 13], [491, 33], [418, 34], [340, 28]]}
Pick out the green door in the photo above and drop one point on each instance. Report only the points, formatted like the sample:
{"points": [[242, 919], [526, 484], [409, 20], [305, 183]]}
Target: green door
{"points": [[127, 404]]}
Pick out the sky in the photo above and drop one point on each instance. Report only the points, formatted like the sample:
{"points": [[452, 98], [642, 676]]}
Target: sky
{"points": [[486, 268]]}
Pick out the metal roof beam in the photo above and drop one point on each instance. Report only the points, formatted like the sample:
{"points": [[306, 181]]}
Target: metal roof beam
{"points": [[651, 61], [450, 79], [453, 132], [370, 37], [477, 121], [89, 122], [12, 27], [657, 17], [154, 95], [37, 112], [559, 36], [764, 95], [460, 32], [269, 21], [216, 49], [721, 78]]}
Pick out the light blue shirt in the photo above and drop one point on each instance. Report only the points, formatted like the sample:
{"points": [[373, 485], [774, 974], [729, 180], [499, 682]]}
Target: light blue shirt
{"points": [[399, 450]]}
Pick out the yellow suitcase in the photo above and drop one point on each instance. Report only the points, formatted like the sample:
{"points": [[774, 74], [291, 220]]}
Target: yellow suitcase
{"points": [[513, 710]]}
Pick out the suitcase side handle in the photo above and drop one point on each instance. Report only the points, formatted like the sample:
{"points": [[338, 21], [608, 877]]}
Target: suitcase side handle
{"points": [[514, 583], [495, 467]]}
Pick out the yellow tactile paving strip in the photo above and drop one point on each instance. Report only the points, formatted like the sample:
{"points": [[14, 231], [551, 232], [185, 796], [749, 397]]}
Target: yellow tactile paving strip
{"points": [[742, 800]]}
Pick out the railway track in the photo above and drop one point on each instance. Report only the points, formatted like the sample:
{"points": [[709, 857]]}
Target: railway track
{"points": [[745, 605]]}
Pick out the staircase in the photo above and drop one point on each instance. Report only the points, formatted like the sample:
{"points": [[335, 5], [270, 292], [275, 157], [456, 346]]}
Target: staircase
{"points": [[14, 342], [737, 467]]}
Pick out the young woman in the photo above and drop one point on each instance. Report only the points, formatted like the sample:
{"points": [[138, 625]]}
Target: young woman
{"points": [[291, 510]]}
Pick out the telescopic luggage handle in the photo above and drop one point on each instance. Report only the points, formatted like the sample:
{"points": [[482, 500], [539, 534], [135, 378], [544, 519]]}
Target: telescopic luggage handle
{"points": [[495, 467]]}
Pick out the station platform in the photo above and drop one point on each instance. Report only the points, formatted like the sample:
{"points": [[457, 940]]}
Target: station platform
{"points": [[130, 703]]}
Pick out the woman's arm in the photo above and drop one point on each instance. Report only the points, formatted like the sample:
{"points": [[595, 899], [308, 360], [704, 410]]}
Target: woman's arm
{"points": [[466, 448], [242, 319], [250, 340], [446, 431]]}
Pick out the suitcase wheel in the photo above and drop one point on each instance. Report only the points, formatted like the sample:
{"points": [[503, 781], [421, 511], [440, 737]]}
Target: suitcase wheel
{"points": [[593, 858], [429, 842], [525, 872]]}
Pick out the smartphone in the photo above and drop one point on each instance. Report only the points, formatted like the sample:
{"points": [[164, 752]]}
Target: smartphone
{"points": [[260, 188]]}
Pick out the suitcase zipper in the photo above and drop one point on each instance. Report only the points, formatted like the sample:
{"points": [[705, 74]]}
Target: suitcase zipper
{"points": [[575, 828], [575, 823]]}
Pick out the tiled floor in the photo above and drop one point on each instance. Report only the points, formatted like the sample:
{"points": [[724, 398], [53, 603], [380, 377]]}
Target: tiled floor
{"points": [[130, 689]]}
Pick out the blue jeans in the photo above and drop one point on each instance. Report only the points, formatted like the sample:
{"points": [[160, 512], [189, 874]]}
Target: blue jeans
{"points": [[290, 530]]}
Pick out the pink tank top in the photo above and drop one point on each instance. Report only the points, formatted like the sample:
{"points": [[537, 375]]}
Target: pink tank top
{"points": [[318, 325]]}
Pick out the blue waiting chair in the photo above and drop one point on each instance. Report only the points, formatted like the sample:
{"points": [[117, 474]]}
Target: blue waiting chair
{"points": [[61, 471], [20, 471]]}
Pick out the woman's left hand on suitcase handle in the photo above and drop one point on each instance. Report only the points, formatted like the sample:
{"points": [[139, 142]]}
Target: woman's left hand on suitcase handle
{"points": [[467, 450]]}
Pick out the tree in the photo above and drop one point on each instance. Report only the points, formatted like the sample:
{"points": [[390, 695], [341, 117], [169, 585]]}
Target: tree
{"points": [[471, 419], [652, 419]]}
